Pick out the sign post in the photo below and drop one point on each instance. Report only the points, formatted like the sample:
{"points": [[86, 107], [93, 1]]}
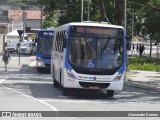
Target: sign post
{"points": [[20, 39]]}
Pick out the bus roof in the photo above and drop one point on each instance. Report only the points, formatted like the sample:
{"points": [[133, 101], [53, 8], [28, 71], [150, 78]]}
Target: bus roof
{"points": [[46, 30], [93, 24]]}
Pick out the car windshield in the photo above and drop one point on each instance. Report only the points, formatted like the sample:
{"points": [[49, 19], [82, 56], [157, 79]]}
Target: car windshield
{"points": [[11, 45], [45, 46], [26, 45], [95, 53]]}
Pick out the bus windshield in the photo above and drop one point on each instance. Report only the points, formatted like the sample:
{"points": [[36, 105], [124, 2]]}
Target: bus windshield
{"points": [[95, 54], [45, 46]]}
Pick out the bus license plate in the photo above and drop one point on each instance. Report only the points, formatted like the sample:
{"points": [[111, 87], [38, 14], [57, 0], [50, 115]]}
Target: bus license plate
{"points": [[94, 87]]}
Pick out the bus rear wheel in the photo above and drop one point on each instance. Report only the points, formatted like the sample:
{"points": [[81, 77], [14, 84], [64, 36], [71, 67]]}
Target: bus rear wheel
{"points": [[65, 91], [110, 93]]}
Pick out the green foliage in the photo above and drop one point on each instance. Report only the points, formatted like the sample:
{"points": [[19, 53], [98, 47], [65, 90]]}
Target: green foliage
{"points": [[48, 7], [14, 3], [157, 36], [152, 16], [144, 64], [50, 21]]}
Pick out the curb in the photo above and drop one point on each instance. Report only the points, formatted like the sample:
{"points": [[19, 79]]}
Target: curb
{"points": [[141, 85]]}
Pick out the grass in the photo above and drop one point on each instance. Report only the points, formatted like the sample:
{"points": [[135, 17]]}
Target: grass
{"points": [[144, 64]]}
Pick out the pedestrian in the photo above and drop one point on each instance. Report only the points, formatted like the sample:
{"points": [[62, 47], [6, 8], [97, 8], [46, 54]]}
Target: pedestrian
{"points": [[133, 52], [6, 57], [137, 49], [140, 50], [143, 49]]}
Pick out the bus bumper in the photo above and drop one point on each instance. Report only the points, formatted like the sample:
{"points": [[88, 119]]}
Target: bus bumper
{"points": [[117, 85]]}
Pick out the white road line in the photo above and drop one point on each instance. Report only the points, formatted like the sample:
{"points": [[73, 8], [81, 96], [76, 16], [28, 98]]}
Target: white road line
{"points": [[52, 107], [75, 101], [1, 81]]}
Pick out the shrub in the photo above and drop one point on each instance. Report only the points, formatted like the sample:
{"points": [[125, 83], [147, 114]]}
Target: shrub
{"points": [[144, 64]]}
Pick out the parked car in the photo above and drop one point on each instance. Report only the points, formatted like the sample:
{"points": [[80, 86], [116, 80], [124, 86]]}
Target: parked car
{"points": [[11, 47], [28, 48]]}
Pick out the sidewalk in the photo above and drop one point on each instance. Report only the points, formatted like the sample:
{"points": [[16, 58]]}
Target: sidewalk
{"points": [[149, 80], [144, 79]]}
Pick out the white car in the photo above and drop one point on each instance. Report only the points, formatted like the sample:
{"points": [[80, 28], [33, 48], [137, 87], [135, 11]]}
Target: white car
{"points": [[11, 47], [28, 48]]}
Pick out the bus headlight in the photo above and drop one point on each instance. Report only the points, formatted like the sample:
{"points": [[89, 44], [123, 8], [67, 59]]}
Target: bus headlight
{"points": [[70, 74], [118, 77], [39, 61]]}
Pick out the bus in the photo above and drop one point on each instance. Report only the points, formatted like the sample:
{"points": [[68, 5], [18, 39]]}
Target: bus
{"points": [[89, 56], [43, 49]]}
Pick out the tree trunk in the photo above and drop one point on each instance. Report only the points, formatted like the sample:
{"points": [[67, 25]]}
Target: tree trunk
{"points": [[102, 11], [150, 54], [119, 12], [158, 48]]}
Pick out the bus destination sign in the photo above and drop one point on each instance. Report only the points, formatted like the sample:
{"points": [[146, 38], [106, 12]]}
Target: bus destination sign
{"points": [[46, 33], [98, 31]]}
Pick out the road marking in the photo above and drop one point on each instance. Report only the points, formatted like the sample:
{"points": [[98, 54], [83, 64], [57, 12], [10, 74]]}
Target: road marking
{"points": [[1, 81], [52, 107], [78, 101]]}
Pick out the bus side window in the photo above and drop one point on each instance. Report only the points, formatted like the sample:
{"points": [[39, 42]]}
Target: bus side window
{"points": [[64, 40]]}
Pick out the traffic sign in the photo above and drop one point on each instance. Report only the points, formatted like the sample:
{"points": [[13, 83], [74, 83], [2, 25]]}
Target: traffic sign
{"points": [[3, 15], [20, 32]]}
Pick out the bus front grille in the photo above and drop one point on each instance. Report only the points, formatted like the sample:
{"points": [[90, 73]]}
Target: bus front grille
{"points": [[90, 84]]}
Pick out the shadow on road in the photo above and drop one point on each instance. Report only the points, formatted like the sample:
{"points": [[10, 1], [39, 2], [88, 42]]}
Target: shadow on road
{"points": [[28, 81]]}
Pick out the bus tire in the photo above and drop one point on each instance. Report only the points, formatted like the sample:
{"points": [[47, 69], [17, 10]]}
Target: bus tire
{"points": [[55, 83], [65, 91], [39, 69], [110, 93]]}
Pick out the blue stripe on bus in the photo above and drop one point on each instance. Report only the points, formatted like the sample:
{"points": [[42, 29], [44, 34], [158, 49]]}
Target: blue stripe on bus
{"points": [[67, 65]]}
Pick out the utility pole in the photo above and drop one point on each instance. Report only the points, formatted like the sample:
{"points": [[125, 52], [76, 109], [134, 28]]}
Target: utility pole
{"points": [[82, 12], [125, 15], [41, 7], [132, 28], [88, 10], [20, 39], [23, 25]]}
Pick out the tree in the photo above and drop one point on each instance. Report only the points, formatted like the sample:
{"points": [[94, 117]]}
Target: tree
{"points": [[157, 38], [119, 12], [151, 18], [48, 9], [102, 11]]}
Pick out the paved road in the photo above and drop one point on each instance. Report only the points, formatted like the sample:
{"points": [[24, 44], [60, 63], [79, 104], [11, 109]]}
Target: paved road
{"points": [[26, 89]]}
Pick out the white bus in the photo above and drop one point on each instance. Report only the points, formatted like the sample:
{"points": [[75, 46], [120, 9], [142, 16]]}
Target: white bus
{"points": [[89, 56]]}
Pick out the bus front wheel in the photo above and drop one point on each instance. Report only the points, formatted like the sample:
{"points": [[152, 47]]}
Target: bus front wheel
{"points": [[55, 83], [40, 70], [110, 93]]}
